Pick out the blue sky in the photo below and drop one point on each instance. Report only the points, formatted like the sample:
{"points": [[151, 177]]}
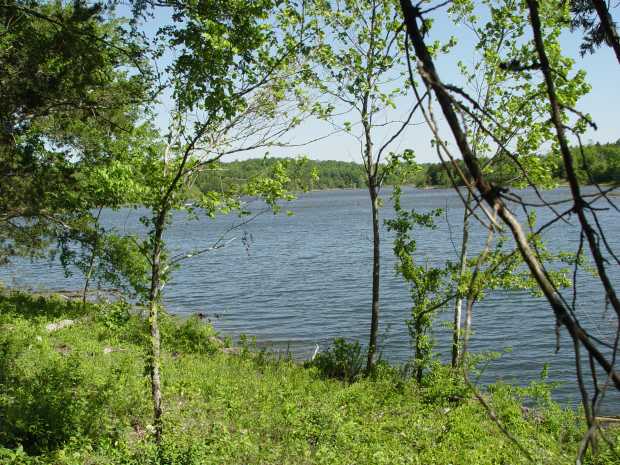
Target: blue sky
{"points": [[603, 74]]}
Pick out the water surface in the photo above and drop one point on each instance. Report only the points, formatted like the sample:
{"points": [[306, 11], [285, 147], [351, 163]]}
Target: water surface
{"points": [[301, 280]]}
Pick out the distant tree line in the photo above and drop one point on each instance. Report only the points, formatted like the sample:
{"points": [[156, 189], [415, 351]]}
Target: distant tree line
{"points": [[601, 160]]}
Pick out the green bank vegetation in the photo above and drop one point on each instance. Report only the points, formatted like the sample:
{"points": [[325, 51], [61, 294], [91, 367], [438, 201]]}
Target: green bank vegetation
{"points": [[76, 395]]}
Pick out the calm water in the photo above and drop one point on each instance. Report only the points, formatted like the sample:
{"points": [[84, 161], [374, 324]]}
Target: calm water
{"points": [[305, 279]]}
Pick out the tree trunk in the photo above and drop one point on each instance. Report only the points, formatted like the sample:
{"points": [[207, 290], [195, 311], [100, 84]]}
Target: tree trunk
{"points": [[376, 269], [608, 26], [469, 310], [472, 293], [154, 356], [456, 332], [458, 306], [419, 355], [91, 263]]}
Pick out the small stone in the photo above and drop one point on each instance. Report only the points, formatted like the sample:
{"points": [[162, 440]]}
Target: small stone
{"points": [[59, 325], [109, 350], [216, 341]]}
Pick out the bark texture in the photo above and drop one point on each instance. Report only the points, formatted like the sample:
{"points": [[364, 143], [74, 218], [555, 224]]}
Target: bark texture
{"points": [[376, 276], [458, 304], [155, 348]]}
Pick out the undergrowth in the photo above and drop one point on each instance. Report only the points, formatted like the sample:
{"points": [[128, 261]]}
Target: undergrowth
{"points": [[80, 395]]}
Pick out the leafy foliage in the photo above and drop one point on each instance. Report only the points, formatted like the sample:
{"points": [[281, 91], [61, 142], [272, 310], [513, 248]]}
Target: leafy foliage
{"points": [[69, 97], [343, 360], [427, 284], [585, 18]]}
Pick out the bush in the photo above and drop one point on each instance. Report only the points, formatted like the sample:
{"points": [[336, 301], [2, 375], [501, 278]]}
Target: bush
{"points": [[191, 336], [118, 321], [38, 307], [343, 360], [441, 385], [54, 390], [80, 396]]}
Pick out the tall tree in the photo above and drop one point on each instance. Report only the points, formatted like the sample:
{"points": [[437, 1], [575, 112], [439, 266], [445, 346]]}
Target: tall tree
{"points": [[361, 69], [232, 81]]}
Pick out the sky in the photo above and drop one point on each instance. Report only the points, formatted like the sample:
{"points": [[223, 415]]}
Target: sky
{"points": [[602, 103]]}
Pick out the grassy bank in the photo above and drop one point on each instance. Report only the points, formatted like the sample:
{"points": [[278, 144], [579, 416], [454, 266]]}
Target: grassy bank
{"points": [[79, 394]]}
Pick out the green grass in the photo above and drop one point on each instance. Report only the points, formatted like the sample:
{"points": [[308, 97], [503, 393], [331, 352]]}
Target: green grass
{"points": [[65, 399]]}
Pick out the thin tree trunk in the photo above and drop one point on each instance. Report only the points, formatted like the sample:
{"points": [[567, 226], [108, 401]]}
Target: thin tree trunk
{"points": [[159, 224], [376, 269], [456, 332], [458, 305], [91, 263], [154, 356], [469, 311], [419, 355], [472, 293], [587, 407]]}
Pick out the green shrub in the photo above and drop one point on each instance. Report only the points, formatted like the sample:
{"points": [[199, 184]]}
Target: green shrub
{"points": [[120, 322], [191, 336], [343, 360], [62, 386], [441, 385], [114, 316], [41, 308], [80, 396]]}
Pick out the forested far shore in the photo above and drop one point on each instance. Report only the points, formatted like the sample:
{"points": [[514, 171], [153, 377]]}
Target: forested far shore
{"points": [[602, 161]]}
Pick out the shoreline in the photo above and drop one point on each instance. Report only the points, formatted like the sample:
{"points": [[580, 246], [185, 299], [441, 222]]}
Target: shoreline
{"points": [[282, 349]]}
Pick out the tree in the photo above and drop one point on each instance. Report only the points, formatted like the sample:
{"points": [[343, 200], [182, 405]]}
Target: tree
{"points": [[505, 133], [428, 287], [104, 255], [71, 81], [432, 287], [232, 81], [534, 62], [594, 18], [359, 53]]}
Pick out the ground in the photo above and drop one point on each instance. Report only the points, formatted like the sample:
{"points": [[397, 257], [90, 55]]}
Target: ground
{"points": [[78, 393]]}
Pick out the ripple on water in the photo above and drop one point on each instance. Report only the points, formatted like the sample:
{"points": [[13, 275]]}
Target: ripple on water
{"points": [[306, 279]]}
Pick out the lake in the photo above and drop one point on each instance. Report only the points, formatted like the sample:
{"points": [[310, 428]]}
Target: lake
{"points": [[301, 280]]}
